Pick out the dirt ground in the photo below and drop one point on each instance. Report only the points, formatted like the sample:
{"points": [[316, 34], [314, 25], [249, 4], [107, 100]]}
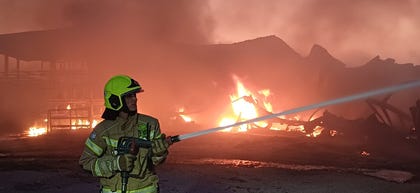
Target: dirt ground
{"points": [[231, 163]]}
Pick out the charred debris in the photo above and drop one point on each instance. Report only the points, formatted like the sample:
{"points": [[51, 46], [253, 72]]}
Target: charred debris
{"points": [[386, 125]]}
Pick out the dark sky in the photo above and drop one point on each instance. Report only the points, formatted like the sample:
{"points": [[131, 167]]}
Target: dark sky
{"points": [[354, 31]]}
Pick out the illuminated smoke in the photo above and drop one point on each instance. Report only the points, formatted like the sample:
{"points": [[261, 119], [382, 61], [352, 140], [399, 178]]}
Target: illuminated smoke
{"points": [[125, 37], [179, 20], [354, 31]]}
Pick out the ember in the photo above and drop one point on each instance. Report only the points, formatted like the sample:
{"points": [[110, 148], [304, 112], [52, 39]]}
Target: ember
{"points": [[364, 153]]}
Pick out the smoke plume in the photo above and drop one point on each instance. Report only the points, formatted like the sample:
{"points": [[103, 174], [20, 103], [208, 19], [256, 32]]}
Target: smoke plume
{"points": [[180, 20], [354, 31]]}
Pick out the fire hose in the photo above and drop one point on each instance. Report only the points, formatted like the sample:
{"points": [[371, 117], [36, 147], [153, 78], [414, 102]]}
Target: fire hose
{"points": [[367, 94]]}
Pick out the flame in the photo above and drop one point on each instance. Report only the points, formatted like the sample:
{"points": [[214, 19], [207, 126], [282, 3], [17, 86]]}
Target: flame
{"points": [[317, 131], [94, 123], [333, 133], [242, 108], [225, 122], [36, 131], [83, 124], [183, 116], [364, 153], [186, 118], [63, 119]]}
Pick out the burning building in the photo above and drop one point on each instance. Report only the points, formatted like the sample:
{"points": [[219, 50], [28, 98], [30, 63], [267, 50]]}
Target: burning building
{"points": [[202, 85]]}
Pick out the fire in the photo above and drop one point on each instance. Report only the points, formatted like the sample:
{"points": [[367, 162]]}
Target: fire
{"points": [[242, 108], [364, 153], [64, 117], [94, 123], [36, 131], [227, 121], [267, 105], [317, 131], [83, 124], [80, 124], [186, 118], [333, 133]]}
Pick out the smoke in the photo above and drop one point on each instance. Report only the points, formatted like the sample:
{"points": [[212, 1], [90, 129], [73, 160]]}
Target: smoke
{"points": [[180, 20], [131, 37], [353, 31], [19, 16], [112, 37]]}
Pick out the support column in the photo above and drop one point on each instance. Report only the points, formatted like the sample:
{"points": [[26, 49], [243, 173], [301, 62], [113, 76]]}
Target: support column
{"points": [[6, 65], [18, 68]]}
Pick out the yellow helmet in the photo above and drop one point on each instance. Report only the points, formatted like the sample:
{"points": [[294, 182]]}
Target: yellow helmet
{"points": [[116, 88]]}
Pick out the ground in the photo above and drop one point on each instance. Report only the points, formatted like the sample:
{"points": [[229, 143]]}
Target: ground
{"points": [[223, 162]]}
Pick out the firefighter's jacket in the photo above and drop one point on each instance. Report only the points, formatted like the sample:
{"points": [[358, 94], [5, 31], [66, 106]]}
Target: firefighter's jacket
{"points": [[98, 154]]}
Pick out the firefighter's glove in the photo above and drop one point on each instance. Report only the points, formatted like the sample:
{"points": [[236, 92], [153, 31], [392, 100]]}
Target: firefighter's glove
{"points": [[125, 163], [160, 146]]}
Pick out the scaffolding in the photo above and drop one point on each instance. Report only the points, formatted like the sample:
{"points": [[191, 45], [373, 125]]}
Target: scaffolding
{"points": [[74, 115]]}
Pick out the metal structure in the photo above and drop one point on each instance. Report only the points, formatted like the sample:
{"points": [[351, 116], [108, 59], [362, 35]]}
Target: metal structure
{"points": [[384, 111], [74, 115]]}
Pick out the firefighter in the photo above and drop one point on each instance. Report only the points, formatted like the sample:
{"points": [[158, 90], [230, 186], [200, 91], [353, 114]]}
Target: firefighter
{"points": [[122, 119]]}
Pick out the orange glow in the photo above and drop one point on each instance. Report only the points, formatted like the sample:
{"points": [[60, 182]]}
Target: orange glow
{"points": [[333, 133], [186, 118], [317, 131], [94, 123], [68, 107], [364, 153], [227, 121], [242, 108], [83, 124], [183, 116], [36, 131]]}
